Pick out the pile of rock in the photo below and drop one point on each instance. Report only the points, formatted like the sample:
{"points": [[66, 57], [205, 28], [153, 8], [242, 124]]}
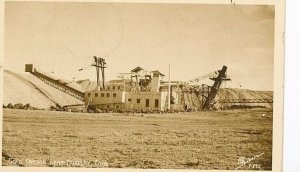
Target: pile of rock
{"points": [[19, 106]]}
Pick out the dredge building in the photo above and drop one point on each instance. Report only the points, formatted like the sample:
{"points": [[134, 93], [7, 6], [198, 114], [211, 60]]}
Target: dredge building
{"points": [[144, 91]]}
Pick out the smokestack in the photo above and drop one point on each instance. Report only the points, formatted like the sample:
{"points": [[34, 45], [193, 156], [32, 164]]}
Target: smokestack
{"points": [[169, 89]]}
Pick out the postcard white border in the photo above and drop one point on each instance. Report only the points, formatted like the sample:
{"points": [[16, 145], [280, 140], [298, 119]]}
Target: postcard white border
{"points": [[278, 80]]}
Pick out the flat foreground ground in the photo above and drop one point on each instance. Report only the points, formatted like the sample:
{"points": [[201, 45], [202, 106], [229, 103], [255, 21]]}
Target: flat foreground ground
{"points": [[197, 140]]}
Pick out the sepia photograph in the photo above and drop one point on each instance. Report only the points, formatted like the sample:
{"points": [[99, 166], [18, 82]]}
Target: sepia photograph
{"points": [[140, 85]]}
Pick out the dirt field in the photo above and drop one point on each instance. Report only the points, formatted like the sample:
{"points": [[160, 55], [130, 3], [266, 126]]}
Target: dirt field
{"points": [[200, 140]]}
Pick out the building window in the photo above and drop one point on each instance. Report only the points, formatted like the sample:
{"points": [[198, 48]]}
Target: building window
{"points": [[102, 94], [147, 102], [89, 94], [114, 95], [107, 94], [117, 107], [119, 87], [129, 100], [156, 103], [114, 87], [96, 94], [108, 87], [107, 106], [138, 100]]}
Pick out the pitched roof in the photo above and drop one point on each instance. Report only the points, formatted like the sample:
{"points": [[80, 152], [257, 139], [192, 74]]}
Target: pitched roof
{"points": [[137, 69], [156, 71]]}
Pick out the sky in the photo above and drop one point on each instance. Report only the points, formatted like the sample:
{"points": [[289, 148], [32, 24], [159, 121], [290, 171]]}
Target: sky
{"points": [[195, 39]]}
